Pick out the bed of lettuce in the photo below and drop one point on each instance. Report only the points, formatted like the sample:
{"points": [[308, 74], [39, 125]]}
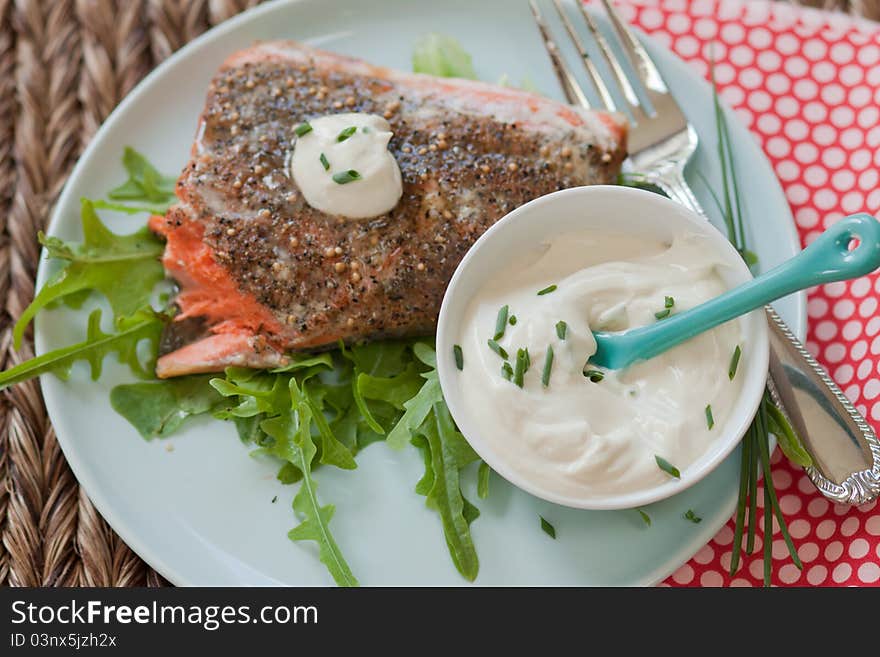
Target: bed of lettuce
{"points": [[318, 411]]}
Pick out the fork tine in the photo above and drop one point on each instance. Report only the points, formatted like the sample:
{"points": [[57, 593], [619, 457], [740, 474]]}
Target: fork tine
{"points": [[570, 87], [643, 64], [590, 68], [619, 74]]}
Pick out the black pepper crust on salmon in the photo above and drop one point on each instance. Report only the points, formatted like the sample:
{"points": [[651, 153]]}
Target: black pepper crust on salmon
{"points": [[261, 273]]}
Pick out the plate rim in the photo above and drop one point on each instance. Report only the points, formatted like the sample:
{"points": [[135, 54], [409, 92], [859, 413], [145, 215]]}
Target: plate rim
{"points": [[124, 529]]}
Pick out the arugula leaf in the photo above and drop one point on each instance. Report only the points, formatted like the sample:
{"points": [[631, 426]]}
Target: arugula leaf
{"points": [[449, 452], [417, 409], [143, 325], [129, 209], [483, 480], [395, 390], [443, 56], [158, 409], [144, 182], [124, 268], [291, 430]]}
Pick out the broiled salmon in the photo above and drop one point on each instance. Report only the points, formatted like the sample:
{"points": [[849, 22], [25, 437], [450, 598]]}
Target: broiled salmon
{"points": [[262, 274]]}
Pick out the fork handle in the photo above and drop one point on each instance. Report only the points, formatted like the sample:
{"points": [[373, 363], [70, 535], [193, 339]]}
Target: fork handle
{"points": [[844, 448]]}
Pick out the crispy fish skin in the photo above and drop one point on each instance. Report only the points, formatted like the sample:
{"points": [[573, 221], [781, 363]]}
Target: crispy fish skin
{"points": [[270, 274]]}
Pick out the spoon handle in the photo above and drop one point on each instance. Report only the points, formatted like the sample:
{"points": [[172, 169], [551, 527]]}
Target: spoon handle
{"points": [[829, 258]]}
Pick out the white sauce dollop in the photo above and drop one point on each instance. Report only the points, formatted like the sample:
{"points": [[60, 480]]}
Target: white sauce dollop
{"points": [[577, 438], [379, 187]]}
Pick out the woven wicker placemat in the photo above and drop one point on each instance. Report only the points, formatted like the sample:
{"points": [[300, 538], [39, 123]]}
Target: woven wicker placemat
{"points": [[64, 65]]}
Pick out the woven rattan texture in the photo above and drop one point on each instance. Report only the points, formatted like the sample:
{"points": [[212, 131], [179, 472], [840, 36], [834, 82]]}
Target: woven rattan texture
{"points": [[64, 65]]}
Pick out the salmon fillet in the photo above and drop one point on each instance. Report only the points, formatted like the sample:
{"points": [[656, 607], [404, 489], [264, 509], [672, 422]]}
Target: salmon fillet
{"points": [[262, 274]]}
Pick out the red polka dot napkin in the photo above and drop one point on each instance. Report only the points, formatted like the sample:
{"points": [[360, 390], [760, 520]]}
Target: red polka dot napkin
{"points": [[807, 84]]}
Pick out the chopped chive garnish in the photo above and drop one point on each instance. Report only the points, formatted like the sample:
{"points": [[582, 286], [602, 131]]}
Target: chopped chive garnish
{"points": [[693, 517], [274, 499], [501, 322], [709, 419], [512, 320], [345, 134], [365, 129], [667, 467], [547, 290], [668, 302], [645, 517], [548, 365], [734, 362], [594, 375], [506, 371], [303, 129], [498, 349], [662, 314], [343, 177], [548, 528], [459, 356], [561, 329], [325, 162], [527, 358], [522, 365]]}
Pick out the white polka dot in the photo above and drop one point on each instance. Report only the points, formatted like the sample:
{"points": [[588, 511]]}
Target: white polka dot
{"points": [[796, 129], [833, 157], [769, 124], [861, 159], [825, 135], [789, 574], [796, 67], [740, 582], [711, 578], [853, 202], [859, 96], [768, 61], [852, 392], [678, 23], [858, 351], [760, 101], [814, 49], [787, 43], [750, 78], [869, 179], [833, 551], [799, 528], [873, 326], [843, 374], [816, 307], [844, 309], [858, 548], [788, 170], [650, 18], [851, 75], [824, 72], [741, 56], [869, 572], [826, 529], [817, 507], [815, 176], [831, 218], [842, 116], [851, 138], [871, 389], [734, 96], [849, 526], [833, 94], [790, 504], [843, 180], [756, 568], [868, 55], [797, 195], [787, 106], [834, 353], [732, 33], [777, 83], [841, 572], [705, 28], [684, 575], [814, 112], [852, 330], [704, 555], [724, 536], [842, 52], [687, 46], [875, 345], [808, 552], [864, 367], [836, 289], [868, 307], [817, 574]]}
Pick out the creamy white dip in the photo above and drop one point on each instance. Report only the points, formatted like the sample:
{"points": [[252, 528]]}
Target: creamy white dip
{"points": [[577, 437], [343, 167]]}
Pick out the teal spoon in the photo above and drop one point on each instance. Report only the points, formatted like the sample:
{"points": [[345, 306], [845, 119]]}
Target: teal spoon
{"points": [[826, 260]]}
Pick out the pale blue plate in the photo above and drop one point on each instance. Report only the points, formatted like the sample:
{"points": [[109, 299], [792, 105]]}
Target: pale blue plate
{"points": [[203, 513]]}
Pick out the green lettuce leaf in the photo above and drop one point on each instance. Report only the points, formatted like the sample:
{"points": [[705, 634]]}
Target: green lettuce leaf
{"points": [[143, 325], [449, 453], [124, 268], [158, 409], [144, 182], [443, 56]]}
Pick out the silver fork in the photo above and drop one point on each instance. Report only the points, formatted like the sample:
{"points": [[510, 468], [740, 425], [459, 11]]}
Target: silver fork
{"points": [[844, 448]]}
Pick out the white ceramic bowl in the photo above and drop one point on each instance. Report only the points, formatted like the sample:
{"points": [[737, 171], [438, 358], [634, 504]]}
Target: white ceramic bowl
{"points": [[614, 209]]}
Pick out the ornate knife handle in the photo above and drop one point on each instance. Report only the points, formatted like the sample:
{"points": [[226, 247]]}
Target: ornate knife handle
{"points": [[844, 448]]}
